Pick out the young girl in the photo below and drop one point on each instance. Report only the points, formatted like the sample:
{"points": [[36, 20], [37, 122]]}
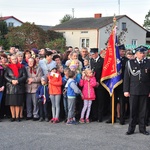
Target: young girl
{"points": [[86, 64], [73, 58], [55, 84], [88, 82], [43, 97]]}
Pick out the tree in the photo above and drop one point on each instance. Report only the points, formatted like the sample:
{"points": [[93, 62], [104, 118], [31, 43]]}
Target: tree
{"points": [[3, 32], [27, 36], [147, 21], [55, 41], [52, 35], [57, 44], [66, 18]]}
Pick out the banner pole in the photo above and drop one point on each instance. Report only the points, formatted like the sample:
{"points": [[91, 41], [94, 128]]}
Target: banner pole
{"points": [[113, 107]]}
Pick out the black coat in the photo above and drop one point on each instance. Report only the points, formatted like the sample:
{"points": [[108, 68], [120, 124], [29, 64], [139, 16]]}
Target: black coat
{"points": [[137, 84], [20, 87], [97, 68], [2, 81]]}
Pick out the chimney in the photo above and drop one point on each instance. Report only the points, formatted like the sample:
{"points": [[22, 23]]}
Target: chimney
{"points": [[97, 15]]}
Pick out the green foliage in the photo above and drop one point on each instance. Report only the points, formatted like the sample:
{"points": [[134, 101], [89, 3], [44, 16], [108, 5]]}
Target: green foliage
{"points": [[3, 32], [52, 35], [66, 18], [27, 36], [57, 44], [147, 21]]}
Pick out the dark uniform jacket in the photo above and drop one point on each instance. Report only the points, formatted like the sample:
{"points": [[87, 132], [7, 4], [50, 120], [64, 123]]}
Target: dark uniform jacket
{"points": [[20, 87], [97, 68], [137, 77]]}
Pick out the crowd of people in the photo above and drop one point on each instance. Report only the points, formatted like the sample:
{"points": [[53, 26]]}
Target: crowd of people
{"points": [[46, 85]]}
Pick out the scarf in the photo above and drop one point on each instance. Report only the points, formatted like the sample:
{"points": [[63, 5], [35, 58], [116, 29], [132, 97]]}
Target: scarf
{"points": [[15, 68]]}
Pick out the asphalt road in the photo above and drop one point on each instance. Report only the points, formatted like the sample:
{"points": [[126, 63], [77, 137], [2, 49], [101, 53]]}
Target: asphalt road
{"points": [[29, 135]]}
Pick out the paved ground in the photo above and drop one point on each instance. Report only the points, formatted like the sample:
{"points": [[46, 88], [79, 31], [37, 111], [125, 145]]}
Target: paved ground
{"points": [[29, 135]]}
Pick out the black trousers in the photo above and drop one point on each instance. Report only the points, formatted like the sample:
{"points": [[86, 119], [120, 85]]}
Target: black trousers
{"points": [[97, 109], [138, 107], [43, 109], [119, 95]]}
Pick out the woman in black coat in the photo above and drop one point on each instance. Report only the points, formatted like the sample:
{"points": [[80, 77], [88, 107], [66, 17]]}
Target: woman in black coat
{"points": [[15, 76]]}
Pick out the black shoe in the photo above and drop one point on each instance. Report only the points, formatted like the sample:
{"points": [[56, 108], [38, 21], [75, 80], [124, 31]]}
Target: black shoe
{"points": [[94, 119], [100, 120], [118, 118], [110, 121], [122, 122], [12, 119], [144, 132], [35, 119], [41, 119], [46, 119], [147, 124], [129, 132], [18, 119], [21, 118], [28, 118]]}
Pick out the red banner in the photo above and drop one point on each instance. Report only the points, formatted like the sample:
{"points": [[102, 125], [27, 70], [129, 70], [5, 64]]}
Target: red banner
{"points": [[109, 66]]}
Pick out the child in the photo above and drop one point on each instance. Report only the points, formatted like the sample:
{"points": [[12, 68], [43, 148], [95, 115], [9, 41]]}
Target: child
{"points": [[73, 58], [86, 63], [55, 84], [65, 100], [79, 101], [88, 82], [43, 97], [72, 90], [60, 69]]}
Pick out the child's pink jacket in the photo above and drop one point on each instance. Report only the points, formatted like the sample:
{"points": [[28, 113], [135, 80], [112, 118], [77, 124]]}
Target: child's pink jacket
{"points": [[88, 88]]}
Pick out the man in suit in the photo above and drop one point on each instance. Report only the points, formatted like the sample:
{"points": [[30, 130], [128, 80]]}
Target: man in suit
{"points": [[137, 87], [96, 64]]}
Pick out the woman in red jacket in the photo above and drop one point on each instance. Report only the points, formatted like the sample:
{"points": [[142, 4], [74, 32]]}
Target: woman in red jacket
{"points": [[55, 84]]}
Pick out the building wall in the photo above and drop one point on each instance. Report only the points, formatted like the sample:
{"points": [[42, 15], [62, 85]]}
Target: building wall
{"points": [[98, 39], [15, 22], [73, 37], [134, 32]]}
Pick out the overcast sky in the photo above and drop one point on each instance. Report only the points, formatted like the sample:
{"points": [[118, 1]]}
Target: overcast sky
{"points": [[49, 12]]}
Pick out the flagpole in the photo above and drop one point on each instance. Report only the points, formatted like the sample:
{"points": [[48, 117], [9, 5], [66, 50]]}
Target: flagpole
{"points": [[113, 107], [113, 99]]}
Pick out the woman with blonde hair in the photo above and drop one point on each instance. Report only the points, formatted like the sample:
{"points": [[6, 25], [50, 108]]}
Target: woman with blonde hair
{"points": [[15, 76]]}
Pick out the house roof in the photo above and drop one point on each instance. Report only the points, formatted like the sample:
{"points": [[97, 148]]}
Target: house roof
{"points": [[45, 28], [8, 17], [88, 23]]}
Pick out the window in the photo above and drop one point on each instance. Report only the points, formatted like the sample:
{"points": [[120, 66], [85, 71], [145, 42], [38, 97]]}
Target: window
{"points": [[134, 42], [84, 31], [10, 24], [124, 26], [85, 42]]}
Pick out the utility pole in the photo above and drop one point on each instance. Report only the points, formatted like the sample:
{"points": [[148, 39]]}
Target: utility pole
{"points": [[72, 12], [119, 7]]}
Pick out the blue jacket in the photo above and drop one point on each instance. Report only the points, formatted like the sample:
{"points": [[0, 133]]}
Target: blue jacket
{"points": [[72, 88], [42, 90]]}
